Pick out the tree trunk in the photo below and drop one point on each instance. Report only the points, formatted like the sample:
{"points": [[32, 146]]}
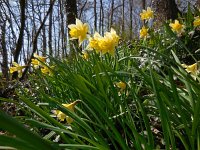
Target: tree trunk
{"points": [[21, 34], [50, 32], [143, 4], [111, 14], [102, 17], [4, 65], [123, 28], [131, 18], [165, 10], [71, 10], [95, 15]]}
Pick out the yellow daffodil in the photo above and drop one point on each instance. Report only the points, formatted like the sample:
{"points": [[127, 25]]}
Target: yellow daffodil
{"points": [[146, 14], [61, 116], [108, 43], [41, 58], [47, 70], [94, 42], [191, 68], [104, 44], [85, 55], [143, 32], [196, 21], [78, 31], [37, 61], [17, 67], [121, 85], [177, 27]]}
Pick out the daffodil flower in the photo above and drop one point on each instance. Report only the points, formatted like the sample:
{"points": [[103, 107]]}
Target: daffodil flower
{"points": [[146, 14], [177, 27], [85, 55], [121, 85], [108, 43], [191, 68], [37, 61], [47, 70], [94, 42], [61, 116], [196, 21], [104, 44], [78, 31], [143, 32], [41, 58], [16, 67]]}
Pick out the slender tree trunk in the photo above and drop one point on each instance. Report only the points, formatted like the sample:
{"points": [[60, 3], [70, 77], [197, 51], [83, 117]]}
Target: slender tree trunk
{"points": [[111, 13], [131, 18], [102, 17], [143, 4], [95, 15], [71, 10], [21, 34], [123, 29], [50, 32], [63, 32], [4, 65], [44, 41]]}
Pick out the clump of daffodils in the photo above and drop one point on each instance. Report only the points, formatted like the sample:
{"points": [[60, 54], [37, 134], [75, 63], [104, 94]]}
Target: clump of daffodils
{"points": [[40, 61], [17, 68], [78, 31], [105, 44], [62, 116], [177, 27], [146, 14]]}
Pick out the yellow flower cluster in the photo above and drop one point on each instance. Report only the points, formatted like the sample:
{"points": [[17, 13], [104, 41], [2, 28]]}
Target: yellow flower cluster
{"points": [[78, 31], [177, 27], [143, 32], [17, 68], [104, 44], [146, 14], [61, 116], [196, 21], [100, 44], [41, 61]]}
